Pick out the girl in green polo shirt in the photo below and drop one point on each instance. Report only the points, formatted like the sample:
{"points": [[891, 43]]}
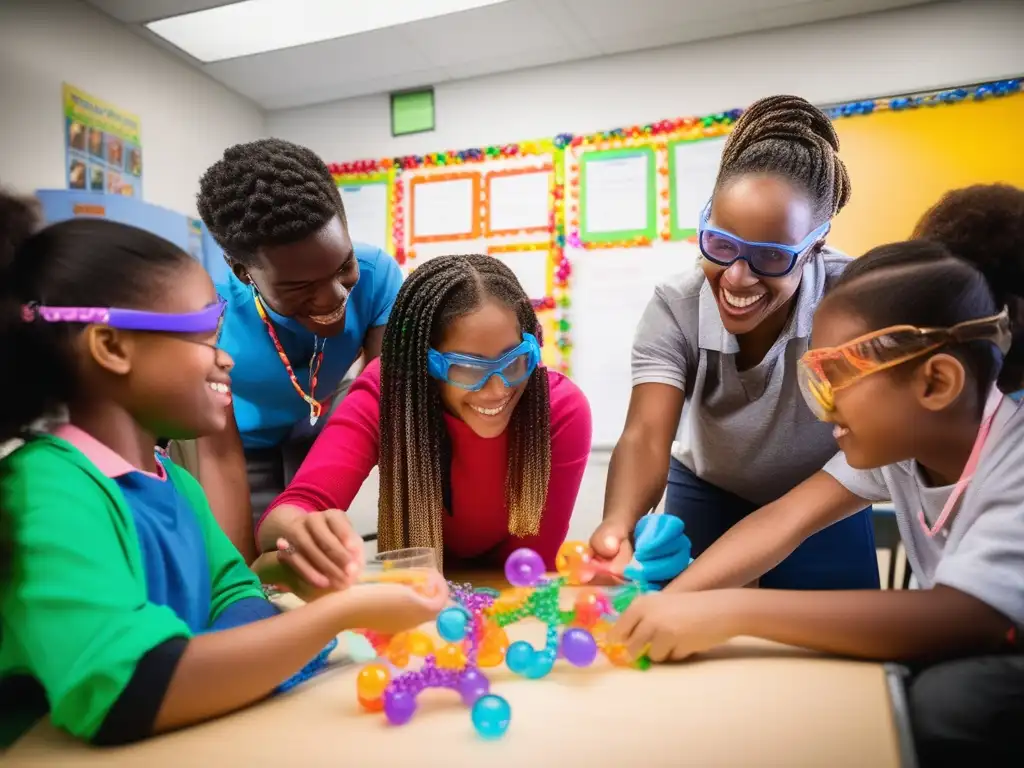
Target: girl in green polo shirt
{"points": [[124, 610]]}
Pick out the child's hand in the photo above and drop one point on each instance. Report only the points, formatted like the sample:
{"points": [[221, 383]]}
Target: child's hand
{"points": [[671, 626], [393, 608], [323, 549]]}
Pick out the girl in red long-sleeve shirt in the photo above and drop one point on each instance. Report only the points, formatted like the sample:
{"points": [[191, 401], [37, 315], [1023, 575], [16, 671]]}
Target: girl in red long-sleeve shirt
{"points": [[481, 449]]}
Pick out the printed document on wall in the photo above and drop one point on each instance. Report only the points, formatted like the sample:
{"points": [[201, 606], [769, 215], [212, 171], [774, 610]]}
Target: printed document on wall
{"points": [[616, 193]]}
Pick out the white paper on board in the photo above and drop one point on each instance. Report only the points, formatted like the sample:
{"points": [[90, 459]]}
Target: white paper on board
{"points": [[519, 201], [696, 165], [531, 267], [617, 193], [366, 208], [443, 207]]}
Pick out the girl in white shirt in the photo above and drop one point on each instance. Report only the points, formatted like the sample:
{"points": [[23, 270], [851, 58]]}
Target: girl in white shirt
{"points": [[916, 359]]}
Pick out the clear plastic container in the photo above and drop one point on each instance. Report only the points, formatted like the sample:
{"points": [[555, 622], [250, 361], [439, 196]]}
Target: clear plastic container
{"points": [[415, 567]]}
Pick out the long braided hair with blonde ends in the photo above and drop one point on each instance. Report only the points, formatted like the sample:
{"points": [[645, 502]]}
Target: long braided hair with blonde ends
{"points": [[415, 451], [789, 137]]}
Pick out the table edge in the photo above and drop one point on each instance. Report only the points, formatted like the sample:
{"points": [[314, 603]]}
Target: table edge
{"points": [[895, 677]]}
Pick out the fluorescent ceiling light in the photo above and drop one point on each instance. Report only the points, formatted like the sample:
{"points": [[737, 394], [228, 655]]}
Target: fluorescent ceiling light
{"points": [[258, 26]]}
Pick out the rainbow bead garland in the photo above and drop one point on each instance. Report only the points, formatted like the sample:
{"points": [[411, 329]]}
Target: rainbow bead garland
{"points": [[658, 133], [474, 638]]}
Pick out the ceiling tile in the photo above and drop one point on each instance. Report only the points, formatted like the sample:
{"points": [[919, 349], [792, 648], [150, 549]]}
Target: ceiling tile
{"points": [[497, 31], [141, 11], [495, 64], [343, 64]]}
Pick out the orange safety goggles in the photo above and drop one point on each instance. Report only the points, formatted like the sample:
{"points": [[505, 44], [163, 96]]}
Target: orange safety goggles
{"points": [[823, 372]]}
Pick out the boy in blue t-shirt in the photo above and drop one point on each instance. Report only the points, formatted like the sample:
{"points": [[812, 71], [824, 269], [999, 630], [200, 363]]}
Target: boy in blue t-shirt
{"points": [[304, 303]]}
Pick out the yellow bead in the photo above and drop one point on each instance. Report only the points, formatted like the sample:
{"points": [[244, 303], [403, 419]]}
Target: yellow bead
{"points": [[372, 680], [450, 656]]}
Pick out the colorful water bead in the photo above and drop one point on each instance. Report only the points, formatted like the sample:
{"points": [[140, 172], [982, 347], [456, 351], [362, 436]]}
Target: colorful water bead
{"points": [[578, 647], [524, 568], [575, 563], [491, 715], [590, 605], [371, 683], [452, 624]]}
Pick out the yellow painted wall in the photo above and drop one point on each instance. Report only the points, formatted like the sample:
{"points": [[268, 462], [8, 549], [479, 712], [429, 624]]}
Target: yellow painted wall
{"points": [[900, 163]]}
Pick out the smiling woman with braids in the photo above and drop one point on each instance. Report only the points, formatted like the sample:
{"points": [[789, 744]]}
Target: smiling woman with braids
{"points": [[481, 449], [725, 339]]}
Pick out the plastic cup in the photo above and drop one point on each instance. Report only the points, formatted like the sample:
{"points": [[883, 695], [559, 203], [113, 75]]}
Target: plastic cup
{"points": [[415, 567]]}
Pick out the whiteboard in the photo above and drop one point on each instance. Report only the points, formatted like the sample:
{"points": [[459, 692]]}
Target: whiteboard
{"points": [[611, 289], [366, 209]]}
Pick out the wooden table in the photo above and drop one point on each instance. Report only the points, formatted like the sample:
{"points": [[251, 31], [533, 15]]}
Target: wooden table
{"points": [[748, 703]]}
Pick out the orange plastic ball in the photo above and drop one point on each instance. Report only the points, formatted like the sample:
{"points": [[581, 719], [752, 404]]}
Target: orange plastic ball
{"points": [[419, 643], [589, 608], [574, 562], [372, 680], [618, 655], [450, 656], [398, 650], [372, 705]]}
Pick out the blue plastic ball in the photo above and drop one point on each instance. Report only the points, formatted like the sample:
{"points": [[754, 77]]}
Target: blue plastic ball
{"points": [[491, 715], [539, 667], [519, 656], [452, 623]]}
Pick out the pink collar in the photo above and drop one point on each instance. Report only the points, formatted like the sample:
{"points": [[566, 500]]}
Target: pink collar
{"points": [[107, 461]]}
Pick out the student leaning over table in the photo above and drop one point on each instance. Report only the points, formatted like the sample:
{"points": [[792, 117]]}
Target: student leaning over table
{"points": [[481, 449], [124, 610], [724, 339], [925, 398], [303, 302]]}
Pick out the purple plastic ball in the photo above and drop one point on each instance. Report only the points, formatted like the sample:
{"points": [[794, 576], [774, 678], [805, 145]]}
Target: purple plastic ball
{"points": [[472, 685], [399, 707], [579, 647], [524, 568]]}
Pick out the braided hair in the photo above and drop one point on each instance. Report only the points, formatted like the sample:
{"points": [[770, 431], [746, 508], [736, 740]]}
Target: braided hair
{"points": [[414, 444], [789, 137], [266, 192]]}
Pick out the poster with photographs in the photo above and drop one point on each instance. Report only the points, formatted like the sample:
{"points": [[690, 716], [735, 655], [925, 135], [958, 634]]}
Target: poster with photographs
{"points": [[103, 146]]}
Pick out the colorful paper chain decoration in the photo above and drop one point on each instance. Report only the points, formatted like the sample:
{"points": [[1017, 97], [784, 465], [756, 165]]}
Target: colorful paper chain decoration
{"points": [[475, 639], [681, 128]]}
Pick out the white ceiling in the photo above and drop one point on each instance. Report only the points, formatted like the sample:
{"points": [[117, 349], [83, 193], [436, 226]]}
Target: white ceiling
{"points": [[513, 35]]}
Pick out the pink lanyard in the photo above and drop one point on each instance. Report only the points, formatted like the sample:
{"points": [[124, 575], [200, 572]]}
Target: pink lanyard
{"points": [[995, 399]]}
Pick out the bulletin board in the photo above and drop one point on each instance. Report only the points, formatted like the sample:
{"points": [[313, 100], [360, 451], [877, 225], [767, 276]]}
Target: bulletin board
{"points": [[624, 205], [901, 161], [502, 201]]}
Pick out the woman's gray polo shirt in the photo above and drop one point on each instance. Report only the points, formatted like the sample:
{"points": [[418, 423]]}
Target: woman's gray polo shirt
{"points": [[750, 432]]}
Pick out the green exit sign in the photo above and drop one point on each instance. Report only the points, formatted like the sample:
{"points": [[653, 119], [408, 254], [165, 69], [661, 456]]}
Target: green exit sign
{"points": [[412, 111]]}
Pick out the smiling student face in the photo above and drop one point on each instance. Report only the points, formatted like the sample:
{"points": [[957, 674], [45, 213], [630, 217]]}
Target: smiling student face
{"points": [[309, 280], [488, 332], [758, 209]]}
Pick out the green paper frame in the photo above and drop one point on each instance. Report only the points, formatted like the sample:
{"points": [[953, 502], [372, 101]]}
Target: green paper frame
{"points": [[675, 233], [650, 231]]}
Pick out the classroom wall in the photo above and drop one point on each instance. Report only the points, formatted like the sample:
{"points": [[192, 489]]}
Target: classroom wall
{"points": [[919, 48], [187, 118]]}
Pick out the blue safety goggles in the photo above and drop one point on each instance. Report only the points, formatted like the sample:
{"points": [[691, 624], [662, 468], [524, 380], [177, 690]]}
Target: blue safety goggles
{"points": [[765, 259], [472, 373]]}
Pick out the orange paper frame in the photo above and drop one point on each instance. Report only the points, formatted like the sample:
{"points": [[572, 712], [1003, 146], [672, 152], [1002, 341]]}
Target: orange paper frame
{"points": [[473, 234], [486, 200]]}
